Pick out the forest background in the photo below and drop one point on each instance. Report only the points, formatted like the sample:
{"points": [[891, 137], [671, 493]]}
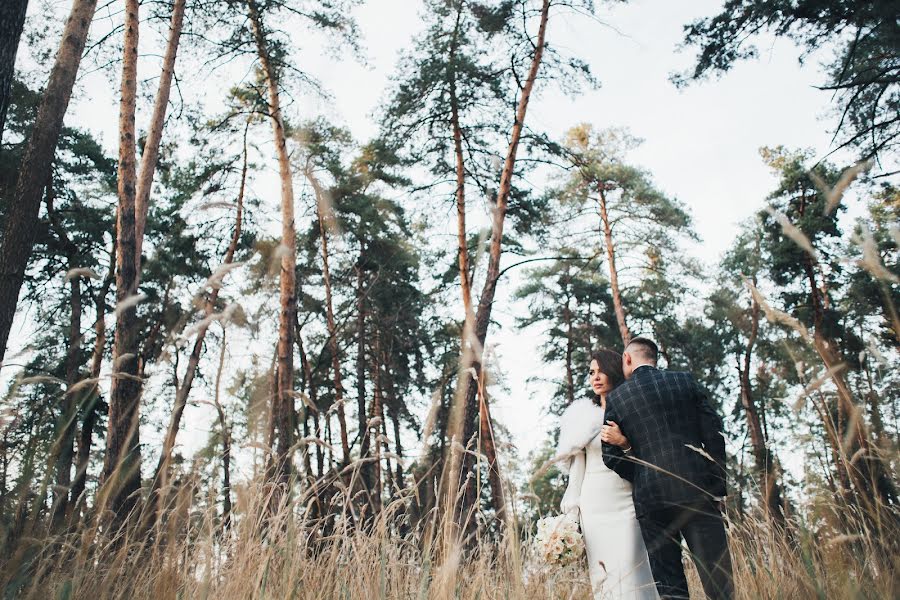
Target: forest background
{"points": [[738, 209]]}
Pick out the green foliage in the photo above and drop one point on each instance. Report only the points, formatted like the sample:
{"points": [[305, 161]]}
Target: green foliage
{"points": [[863, 39]]}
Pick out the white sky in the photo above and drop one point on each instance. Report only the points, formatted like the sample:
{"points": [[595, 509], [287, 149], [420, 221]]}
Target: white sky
{"points": [[701, 144]]}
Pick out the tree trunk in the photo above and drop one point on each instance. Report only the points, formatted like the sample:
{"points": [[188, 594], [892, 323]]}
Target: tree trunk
{"points": [[398, 447], [570, 348], [461, 237], [62, 450], [329, 316], [490, 451], [154, 134], [613, 272], [90, 404], [306, 388], [69, 410], [377, 410], [472, 407], [34, 171], [361, 349], [122, 464], [158, 490], [875, 487], [226, 442], [764, 461], [283, 402], [313, 391], [12, 21]]}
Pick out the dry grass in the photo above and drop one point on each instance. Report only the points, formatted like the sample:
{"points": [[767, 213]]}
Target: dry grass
{"points": [[287, 557]]}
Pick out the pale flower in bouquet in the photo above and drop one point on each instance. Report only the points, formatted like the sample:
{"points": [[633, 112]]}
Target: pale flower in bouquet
{"points": [[558, 540]]}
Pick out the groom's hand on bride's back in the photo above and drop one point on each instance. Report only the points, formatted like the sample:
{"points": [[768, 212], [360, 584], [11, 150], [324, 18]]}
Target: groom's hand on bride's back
{"points": [[612, 434]]}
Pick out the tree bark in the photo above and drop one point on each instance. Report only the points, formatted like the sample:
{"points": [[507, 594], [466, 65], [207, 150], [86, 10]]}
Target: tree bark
{"points": [[34, 171], [150, 155], [613, 272], [283, 402], [122, 464], [12, 21], [472, 414]]}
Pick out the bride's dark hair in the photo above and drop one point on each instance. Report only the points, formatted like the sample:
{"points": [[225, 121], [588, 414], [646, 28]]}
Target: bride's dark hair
{"points": [[610, 363]]}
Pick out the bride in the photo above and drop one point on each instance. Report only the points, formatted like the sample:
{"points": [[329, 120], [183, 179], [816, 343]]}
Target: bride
{"points": [[615, 550]]}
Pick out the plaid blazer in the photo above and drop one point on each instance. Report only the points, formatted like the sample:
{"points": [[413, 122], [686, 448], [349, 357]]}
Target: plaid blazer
{"points": [[662, 413]]}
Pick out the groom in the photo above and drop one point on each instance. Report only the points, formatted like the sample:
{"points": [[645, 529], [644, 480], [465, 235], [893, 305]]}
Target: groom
{"points": [[677, 466]]}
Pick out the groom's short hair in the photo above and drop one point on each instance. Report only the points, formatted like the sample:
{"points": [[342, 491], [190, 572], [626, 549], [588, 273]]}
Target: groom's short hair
{"points": [[645, 347]]}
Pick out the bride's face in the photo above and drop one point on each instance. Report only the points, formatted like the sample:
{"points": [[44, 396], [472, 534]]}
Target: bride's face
{"points": [[598, 380]]}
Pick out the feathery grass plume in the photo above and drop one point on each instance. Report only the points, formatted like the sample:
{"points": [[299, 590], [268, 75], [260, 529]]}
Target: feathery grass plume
{"points": [[80, 272], [35, 379], [833, 195], [217, 204], [323, 200], [215, 280], [793, 232], [129, 302], [430, 421], [122, 358], [289, 557], [873, 351], [817, 383], [88, 382], [205, 322], [871, 260], [774, 315], [701, 452]]}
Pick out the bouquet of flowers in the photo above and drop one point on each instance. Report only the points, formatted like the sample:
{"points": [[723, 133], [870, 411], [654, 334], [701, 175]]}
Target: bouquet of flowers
{"points": [[558, 540]]}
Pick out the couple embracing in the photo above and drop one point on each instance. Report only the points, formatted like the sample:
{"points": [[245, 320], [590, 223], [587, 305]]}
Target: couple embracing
{"points": [[646, 463]]}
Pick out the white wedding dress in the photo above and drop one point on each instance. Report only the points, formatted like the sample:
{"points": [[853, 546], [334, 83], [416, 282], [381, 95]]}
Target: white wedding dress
{"points": [[616, 555]]}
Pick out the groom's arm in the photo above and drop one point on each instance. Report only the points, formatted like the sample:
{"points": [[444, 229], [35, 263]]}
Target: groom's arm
{"points": [[613, 456], [713, 439]]}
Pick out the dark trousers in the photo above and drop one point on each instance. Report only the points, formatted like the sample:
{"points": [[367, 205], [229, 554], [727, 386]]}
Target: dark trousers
{"points": [[703, 529]]}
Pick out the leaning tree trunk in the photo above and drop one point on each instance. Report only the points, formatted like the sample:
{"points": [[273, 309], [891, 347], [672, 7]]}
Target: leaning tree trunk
{"points": [[34, 171], [90, 413], [472, 415], [158, 490], [154, 134], [773, 498], [12, 21], [283, 400], [613, 271], [329, 316], [122, 465]]}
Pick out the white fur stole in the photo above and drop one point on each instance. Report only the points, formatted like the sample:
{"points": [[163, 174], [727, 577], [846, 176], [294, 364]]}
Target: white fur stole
{"points": [[578, 425]]}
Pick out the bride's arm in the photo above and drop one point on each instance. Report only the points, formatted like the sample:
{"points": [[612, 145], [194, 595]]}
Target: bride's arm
{"points": [[572, 495]]}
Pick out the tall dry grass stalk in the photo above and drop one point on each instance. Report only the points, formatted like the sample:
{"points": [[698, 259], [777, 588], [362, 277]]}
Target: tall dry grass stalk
{"points": [[286, 555]]}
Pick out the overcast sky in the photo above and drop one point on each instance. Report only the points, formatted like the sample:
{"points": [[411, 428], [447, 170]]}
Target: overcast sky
{"points": [[701, 144]]}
